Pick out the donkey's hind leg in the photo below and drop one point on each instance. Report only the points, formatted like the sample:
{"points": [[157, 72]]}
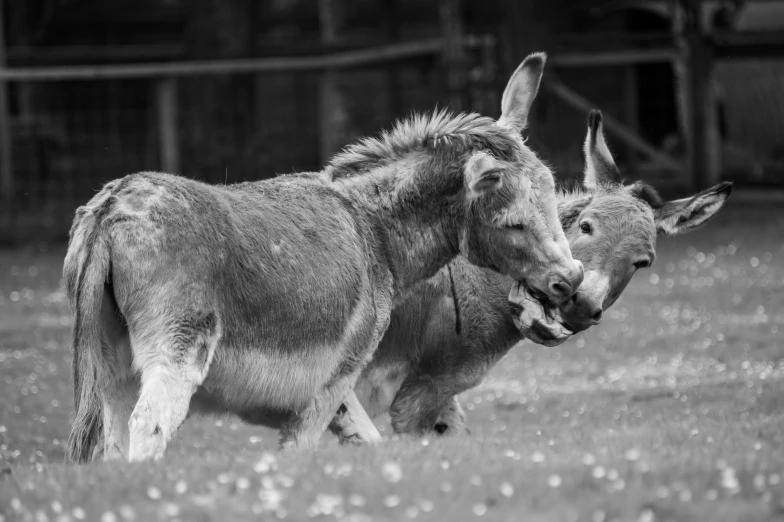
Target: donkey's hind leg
{"points": [[172, 365], [119, 397], [352, 424], [120, 386]]}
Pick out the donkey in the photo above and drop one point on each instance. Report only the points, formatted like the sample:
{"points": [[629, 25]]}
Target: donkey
{"points": [[267, 299], [446, 335]]}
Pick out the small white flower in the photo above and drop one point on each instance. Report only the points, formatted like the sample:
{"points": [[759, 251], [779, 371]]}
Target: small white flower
{"points": [[392, 501], [266, 463], [356, 500], [633, 454], [537, 457], [646, 515], [426, 506], [392, 472], [506, 489], [172, 509], [126, 512]]}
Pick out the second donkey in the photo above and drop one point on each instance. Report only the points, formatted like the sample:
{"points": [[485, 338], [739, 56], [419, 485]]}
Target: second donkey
{"points": [[444, 338]]}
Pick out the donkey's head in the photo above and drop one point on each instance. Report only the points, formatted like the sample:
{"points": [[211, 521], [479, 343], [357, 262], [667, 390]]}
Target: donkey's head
{"points": [[613, 227], [512, 221]]}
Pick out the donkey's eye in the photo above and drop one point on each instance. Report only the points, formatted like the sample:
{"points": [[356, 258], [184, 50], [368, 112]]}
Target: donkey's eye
{"points": [[518, 226], [585, 227], [642, 264]]}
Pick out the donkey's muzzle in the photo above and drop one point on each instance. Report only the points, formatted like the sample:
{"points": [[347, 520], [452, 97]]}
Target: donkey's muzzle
{"points": [[563, 285], [581, 312]]}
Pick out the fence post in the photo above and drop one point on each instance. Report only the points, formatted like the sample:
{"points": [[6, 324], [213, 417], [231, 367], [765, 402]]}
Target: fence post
{"points": [[454, 52], [332, 117], [489, 102], [6, 172], [167, 105], [704, 151], [391, 15], [631, 104]]}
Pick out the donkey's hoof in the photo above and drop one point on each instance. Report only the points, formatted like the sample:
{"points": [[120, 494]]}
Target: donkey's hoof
{"points": [[147, 439], [289, 443], [443, 429], [146, 449], [110, 453], [361, 439]]}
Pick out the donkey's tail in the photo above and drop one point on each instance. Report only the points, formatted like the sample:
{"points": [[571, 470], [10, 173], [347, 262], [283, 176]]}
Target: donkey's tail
{"points": [[86, 270]]}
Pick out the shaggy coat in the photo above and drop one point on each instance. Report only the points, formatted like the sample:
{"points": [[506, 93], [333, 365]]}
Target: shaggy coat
{"points": [[267, 299]]}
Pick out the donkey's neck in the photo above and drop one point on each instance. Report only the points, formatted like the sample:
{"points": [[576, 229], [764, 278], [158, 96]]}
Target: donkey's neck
{"points": [[417, 216]]}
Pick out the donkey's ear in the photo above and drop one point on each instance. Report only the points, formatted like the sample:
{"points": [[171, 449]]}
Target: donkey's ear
{"points": [[483, 174], [684, 215], [521, 91], [600, 168]]}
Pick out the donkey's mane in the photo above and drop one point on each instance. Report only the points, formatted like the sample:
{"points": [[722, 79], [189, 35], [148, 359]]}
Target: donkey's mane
{"points": [[421, 131]]}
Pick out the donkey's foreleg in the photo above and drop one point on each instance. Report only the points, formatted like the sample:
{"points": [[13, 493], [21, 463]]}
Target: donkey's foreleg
{"points": [[352, 423], [173, 366], [306, 429], [416, 406]]}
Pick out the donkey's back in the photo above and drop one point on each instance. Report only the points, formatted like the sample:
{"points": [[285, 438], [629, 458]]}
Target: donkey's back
{"points": [[236, 250]]}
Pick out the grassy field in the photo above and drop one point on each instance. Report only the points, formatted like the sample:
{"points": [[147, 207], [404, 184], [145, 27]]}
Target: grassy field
{"points": [[672, 409]]}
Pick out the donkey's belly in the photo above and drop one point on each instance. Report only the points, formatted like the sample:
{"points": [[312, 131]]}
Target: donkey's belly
{"points": [[204, 402], [241, 380], [270, 393]]}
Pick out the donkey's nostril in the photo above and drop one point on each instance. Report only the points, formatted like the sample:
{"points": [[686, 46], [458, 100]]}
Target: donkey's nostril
{"points": [[597, 317], [559, 288]]}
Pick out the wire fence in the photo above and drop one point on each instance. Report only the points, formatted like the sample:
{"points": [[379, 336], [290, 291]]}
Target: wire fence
{"points": [[219, 124]]}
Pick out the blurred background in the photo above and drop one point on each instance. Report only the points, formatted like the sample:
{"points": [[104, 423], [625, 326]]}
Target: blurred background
{"points": [[671, 409], [233, 90]]}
